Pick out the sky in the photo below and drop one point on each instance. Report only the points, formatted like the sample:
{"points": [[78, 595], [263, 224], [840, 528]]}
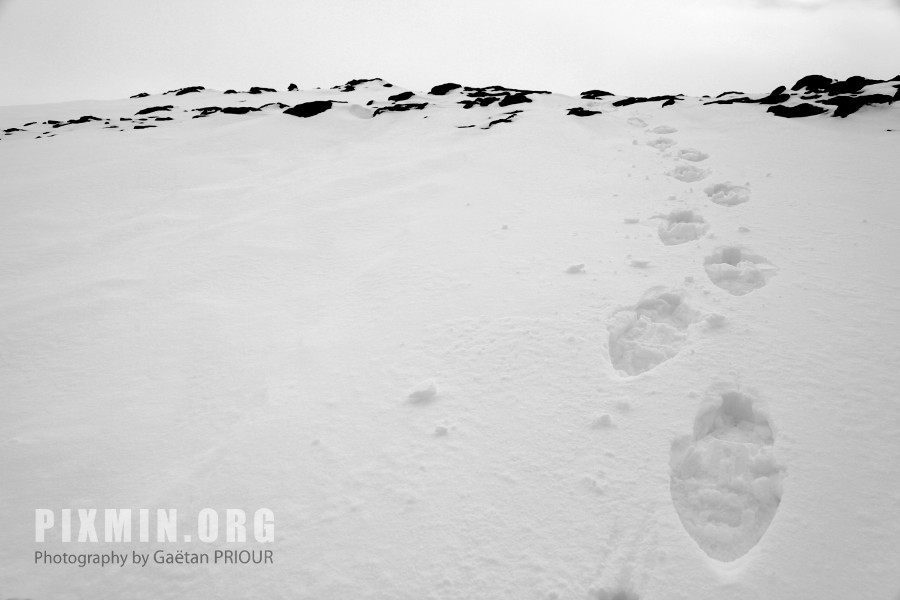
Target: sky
{"points": [[52, 51]]}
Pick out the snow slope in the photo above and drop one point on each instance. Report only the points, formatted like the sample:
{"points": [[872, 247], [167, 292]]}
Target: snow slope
{"points": [[648, 353]]}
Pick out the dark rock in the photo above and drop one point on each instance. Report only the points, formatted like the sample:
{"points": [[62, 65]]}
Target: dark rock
{"points": [[776, 96], [309, 109], [813, 83], [230, 92], [12, 129], [847, 105], [799, 110], [275, 104], [206, 111], [141, 95], [725, 94], [125, 118], [32, 123], [400, 107], [594, 94], [239, 110], [163, 118], [293, 87], [508, 119], [144, 126], [442, 89], [260, 90], [401, 97], [579, 111], [850, 85], [668, 100], [153, 109], [351, 85], [370, 102], [84, 119], [186, 90], [510, 99], [500, 90], [740, 100], [486, 101]]}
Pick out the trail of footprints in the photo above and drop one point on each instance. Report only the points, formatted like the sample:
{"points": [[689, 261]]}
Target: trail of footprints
{"points": [[725, 481]]}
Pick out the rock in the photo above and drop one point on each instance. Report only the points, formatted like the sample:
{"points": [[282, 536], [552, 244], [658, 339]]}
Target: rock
{"points": [[309, 109], [847, 105], [260, 90], [141, 95], [813, 83], [153, 109], [400, 97], [293, 87], [239, 110], [800, 110], [206, 111], [510, 99], [186, 90], [485, 101], [442, 89], [667, 100], [594, 94], [851, 85], [400, 107], [776, 96], [578, 111]]}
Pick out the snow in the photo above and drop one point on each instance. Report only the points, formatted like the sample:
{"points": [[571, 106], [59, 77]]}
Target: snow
{"points": [[367, 325]]}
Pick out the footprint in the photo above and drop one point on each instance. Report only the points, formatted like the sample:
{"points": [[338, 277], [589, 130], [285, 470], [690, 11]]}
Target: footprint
{"points": [[663, 129], [727, 194], [725, 481], [682, 226], [662, 143], [692, 154], [636, 122], [737, 270], [688, 173], [650, 332]]}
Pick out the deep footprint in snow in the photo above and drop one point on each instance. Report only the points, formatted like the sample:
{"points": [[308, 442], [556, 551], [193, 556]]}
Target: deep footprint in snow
{"points": [[692, 154], [663, 129], [650, 332], [725, 481], [727, 194], [688, 173], [662, 143], [737, 270], [681, 226]]}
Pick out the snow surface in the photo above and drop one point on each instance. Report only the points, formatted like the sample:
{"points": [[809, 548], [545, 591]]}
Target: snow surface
{"points": [[550, 359]]}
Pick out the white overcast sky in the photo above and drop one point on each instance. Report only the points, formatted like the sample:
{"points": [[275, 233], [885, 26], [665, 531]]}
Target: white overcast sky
{"points": [[60, 50]]}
